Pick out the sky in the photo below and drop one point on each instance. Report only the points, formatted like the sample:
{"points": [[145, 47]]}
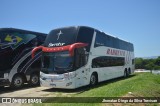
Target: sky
{"points": [[136, 21]]}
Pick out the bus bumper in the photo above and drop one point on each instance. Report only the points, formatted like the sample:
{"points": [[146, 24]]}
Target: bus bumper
{"points": [[4, 82], [69, 84]]}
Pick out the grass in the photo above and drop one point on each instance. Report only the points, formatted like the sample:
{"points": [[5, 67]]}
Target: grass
{"points": [[140, 84]]}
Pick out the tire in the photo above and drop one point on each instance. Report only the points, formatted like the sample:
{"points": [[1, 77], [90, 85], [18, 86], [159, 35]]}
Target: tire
{"points": [[34, 79], [125, 73], [93, 80], [17, 81], [129, 71]]}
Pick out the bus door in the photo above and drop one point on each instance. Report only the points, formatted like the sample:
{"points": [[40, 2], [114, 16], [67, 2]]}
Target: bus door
{"points": [[81, 71]]}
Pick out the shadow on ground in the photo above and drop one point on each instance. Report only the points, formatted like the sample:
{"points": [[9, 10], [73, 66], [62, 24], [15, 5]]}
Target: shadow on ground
{"points": [[10, 89], [77, 91], [86, 88]]}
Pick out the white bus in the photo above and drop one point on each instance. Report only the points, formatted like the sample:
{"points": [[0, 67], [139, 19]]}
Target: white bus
{"points": [[77, 56]]}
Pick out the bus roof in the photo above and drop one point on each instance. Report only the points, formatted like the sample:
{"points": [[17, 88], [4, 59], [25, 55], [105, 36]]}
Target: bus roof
{"points": [[78, 27], [20, 30]]}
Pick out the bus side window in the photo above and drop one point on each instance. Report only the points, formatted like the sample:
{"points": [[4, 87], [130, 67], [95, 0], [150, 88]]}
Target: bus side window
{"points": [[81, 57], [132, 61]]}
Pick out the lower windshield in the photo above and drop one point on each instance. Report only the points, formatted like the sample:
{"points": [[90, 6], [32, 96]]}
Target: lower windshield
{"points": [[57, 62]]}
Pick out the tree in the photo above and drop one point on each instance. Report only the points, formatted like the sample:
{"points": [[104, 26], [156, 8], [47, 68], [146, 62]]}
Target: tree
{"points": [[157, 61], [148, 64], [156, 67], [138, 63]]}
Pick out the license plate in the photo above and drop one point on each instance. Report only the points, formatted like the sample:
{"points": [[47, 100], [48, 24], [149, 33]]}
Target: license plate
{"points": [[54, 85]]}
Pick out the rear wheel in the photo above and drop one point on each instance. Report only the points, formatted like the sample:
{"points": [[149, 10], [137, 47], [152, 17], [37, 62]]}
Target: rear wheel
{"points": [[129, 71], [125, 73], [34, 80], [93, 80], [17, 81]]}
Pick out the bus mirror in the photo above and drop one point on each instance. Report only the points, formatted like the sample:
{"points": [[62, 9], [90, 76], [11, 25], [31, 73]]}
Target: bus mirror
{"points": [[35, 50], [76, 45]]}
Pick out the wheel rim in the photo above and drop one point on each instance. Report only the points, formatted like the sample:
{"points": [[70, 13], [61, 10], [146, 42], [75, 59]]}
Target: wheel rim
{"points": [[93, 79], [18, 81], [125, 74], [34, 79]]}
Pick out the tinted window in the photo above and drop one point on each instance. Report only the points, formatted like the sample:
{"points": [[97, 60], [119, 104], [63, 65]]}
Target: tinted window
{"points": [[58, 62], [133, 61], [116, 43], [106, 61], [62, 35], [85, 35], [105, 40], [100, 39]]}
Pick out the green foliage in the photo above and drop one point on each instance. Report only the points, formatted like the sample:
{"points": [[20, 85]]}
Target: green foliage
{"points": [[149, 64], [140, 84], [139, 63]]}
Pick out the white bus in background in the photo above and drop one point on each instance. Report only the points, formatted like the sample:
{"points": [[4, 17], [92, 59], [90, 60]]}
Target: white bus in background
{"points": [[77, 56]]}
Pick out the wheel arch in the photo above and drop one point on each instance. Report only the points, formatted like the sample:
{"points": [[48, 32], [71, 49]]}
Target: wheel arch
{"points": [[96, 75]]}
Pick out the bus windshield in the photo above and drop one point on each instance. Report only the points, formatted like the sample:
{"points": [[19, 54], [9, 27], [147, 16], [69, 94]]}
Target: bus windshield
{"points": [[57, 62]]}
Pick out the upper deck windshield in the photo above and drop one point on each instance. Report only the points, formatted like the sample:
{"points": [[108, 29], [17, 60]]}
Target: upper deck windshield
{"points": [[57, 62]]}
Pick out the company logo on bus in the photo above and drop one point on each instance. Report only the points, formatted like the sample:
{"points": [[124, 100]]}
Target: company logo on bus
{"points": [[115, 52], [60, 33], [55, 44]]}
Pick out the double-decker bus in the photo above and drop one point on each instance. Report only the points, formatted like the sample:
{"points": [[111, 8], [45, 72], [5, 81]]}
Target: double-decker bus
{"points": [[16, 65], [78, 55]]}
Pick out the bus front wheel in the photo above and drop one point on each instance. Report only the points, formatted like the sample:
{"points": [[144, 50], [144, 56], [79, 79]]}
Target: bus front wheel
{"points": [[93, 80]]}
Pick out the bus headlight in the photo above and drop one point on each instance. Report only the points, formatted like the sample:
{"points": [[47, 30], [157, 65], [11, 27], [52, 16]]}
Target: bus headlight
{"points": [[69, 75], [66, 76]]}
